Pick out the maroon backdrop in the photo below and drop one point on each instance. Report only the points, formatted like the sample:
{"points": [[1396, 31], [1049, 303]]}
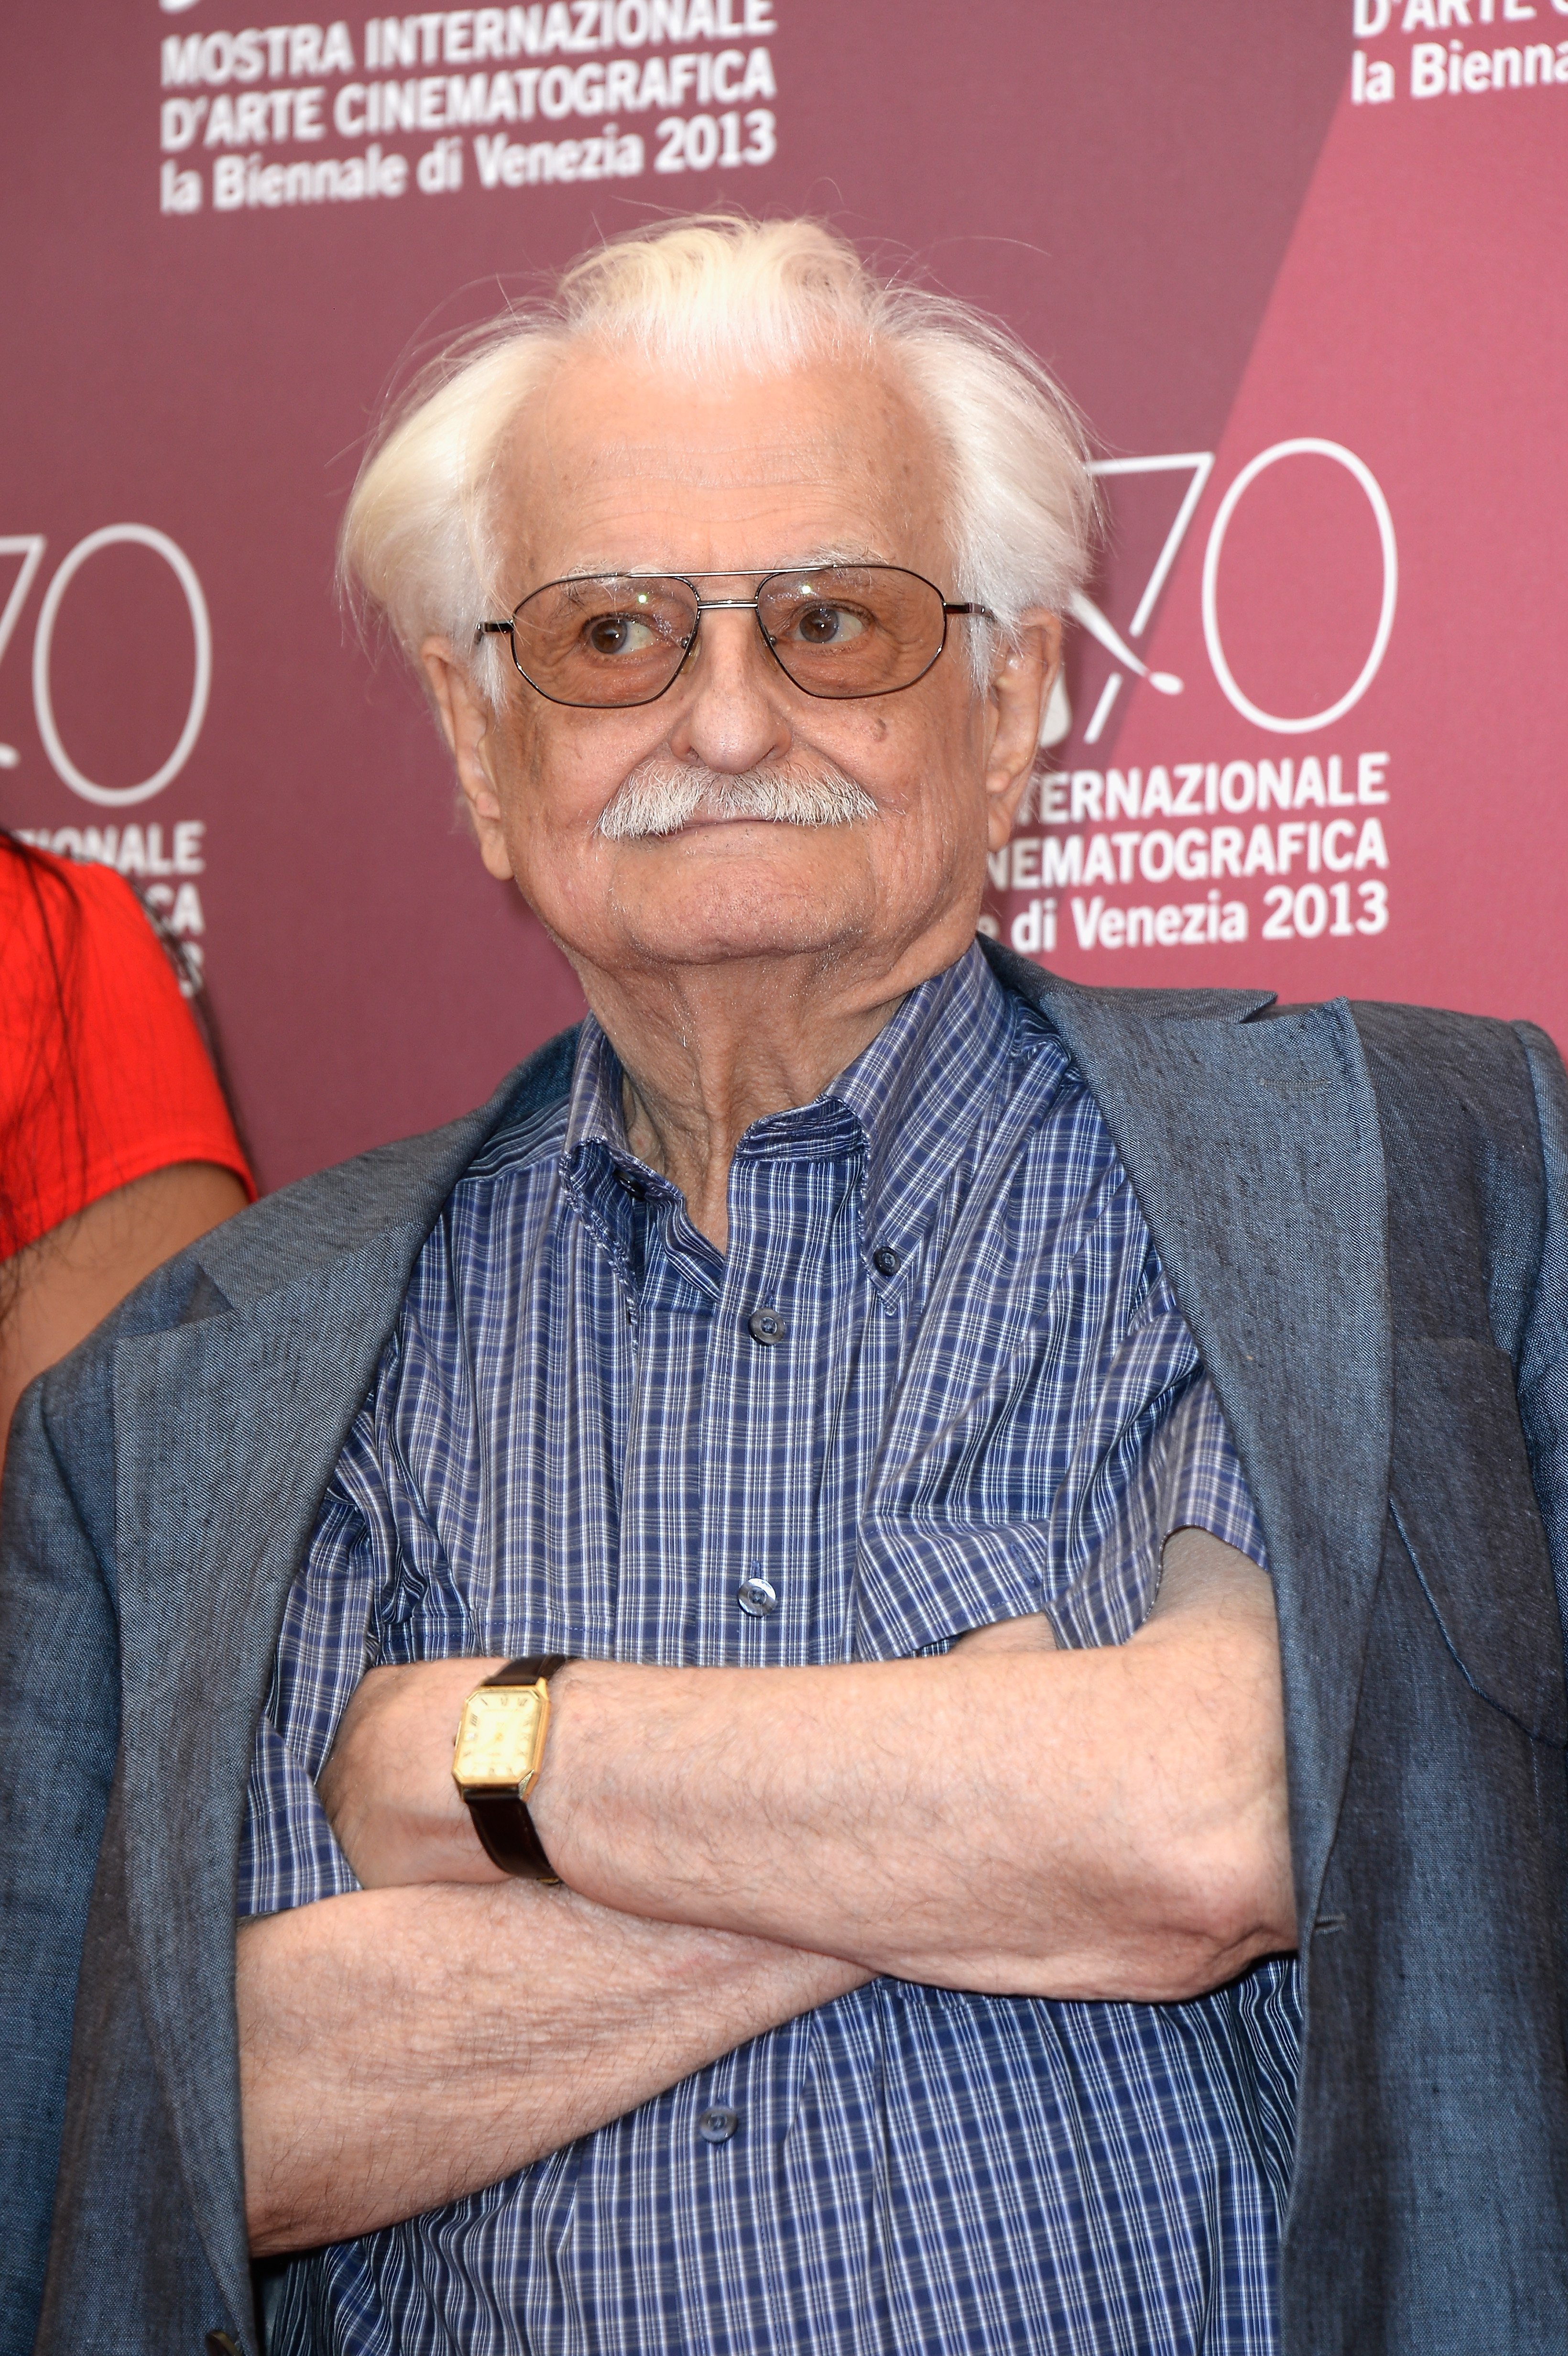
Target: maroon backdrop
{"points": [[1300, 265]]}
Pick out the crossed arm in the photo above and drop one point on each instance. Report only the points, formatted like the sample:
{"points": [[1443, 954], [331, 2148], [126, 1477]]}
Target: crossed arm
{"points": [[740, 1847]]}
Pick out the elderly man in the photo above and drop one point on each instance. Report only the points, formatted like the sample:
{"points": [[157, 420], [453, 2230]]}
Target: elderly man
{"points": [[856, 1913]]}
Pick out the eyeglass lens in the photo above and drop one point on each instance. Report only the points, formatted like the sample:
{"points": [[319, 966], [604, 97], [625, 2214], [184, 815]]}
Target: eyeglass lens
{"points": [[844, 630]]}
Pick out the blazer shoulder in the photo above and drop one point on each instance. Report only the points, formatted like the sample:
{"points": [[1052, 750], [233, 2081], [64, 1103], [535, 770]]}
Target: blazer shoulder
{"points": [[1438, 1035], [1466, 1157], [1074, 1004], [1476, 1067]]}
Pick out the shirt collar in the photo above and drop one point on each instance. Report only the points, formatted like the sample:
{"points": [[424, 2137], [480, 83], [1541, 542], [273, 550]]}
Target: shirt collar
{"points": [[925, 1087], [593, 1113], [911, 1102]]}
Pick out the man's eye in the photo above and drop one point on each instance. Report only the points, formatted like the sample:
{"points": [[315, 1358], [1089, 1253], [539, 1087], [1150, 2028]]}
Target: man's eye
{"points": [[619, 634], [827, 626]]}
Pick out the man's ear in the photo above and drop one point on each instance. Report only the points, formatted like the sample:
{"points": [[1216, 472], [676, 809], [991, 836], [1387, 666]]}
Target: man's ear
{"points": [[467, 721], [1020, 686]]}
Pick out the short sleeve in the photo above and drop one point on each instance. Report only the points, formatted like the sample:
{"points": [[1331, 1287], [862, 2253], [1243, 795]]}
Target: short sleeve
{"points": [[1185, 1474], [1198, 1478], [289, 1854], [104, 1076]]}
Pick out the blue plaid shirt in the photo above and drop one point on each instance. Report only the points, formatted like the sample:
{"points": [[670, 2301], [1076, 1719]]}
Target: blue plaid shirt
{"points": [[985, 1403]]}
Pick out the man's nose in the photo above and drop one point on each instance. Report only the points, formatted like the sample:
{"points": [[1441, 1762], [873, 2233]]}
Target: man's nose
{"points": [[733, 712]]}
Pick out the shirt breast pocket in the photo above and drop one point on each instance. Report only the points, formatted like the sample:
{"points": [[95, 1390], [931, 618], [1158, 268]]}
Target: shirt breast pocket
{"points": [[1465, 1507]]}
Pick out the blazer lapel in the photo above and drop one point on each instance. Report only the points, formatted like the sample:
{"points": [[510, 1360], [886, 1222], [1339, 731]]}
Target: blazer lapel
{"points": [[1254, 1149], [233, 1427], [228, 1428]]}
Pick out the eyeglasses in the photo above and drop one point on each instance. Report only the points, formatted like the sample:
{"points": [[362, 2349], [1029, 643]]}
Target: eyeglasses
{"points": [[607, 641]]}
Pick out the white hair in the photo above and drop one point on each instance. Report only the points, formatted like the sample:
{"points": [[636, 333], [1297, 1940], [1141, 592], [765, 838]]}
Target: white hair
{"points": [[423, 541]]}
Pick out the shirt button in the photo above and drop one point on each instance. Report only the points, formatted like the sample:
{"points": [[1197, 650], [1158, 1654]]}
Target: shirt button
{"points": [[766, 1325], [885, 1261], [718, 2124], [757, 1596]]}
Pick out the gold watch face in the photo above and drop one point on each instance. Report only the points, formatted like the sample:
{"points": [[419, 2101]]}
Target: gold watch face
{"points": [[500, 1737]]}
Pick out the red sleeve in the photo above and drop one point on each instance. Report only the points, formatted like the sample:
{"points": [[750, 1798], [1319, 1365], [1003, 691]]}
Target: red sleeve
{"points": [[104, 1076]]}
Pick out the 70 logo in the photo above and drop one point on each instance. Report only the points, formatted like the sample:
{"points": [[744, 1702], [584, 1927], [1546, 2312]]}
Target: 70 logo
{"points": [[1199, 464], [30, 547]]}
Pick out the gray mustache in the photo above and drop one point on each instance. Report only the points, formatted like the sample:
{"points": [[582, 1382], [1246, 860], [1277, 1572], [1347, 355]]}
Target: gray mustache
{"points": [[660, 797]]}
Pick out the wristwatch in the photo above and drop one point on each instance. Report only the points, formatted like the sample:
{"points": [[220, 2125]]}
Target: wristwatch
{"points": [[500, 1743]]}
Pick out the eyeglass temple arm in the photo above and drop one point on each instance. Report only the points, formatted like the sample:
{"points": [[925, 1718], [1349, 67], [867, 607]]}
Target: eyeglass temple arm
{"points": [[500, 629]]}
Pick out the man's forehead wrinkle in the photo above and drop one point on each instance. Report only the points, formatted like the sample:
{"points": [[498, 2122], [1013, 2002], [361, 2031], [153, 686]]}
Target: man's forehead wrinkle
{"points": [[711, 461]]}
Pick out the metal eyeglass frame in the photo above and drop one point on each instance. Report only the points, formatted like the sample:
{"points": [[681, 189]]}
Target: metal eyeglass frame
{"points": [[726, 606]]}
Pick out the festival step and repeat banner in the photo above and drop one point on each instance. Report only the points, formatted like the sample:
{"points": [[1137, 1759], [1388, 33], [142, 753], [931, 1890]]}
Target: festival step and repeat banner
{"points": [[1302, 266]]}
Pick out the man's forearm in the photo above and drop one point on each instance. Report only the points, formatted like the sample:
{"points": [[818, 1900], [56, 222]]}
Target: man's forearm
{"points": [[1089, 1825], [400, 2048]]}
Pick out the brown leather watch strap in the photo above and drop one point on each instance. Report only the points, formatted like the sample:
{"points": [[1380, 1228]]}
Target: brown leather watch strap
{"points": [[505, 1826], [529, 1669], [502, 1821]]}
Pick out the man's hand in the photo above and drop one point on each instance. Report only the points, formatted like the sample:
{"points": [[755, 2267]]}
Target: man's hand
{"points": [[1011, 1817], [387, 1786]]}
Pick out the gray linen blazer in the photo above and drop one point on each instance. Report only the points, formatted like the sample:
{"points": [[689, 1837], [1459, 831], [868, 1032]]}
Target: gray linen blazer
{"points": [[1362, 1211]]}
